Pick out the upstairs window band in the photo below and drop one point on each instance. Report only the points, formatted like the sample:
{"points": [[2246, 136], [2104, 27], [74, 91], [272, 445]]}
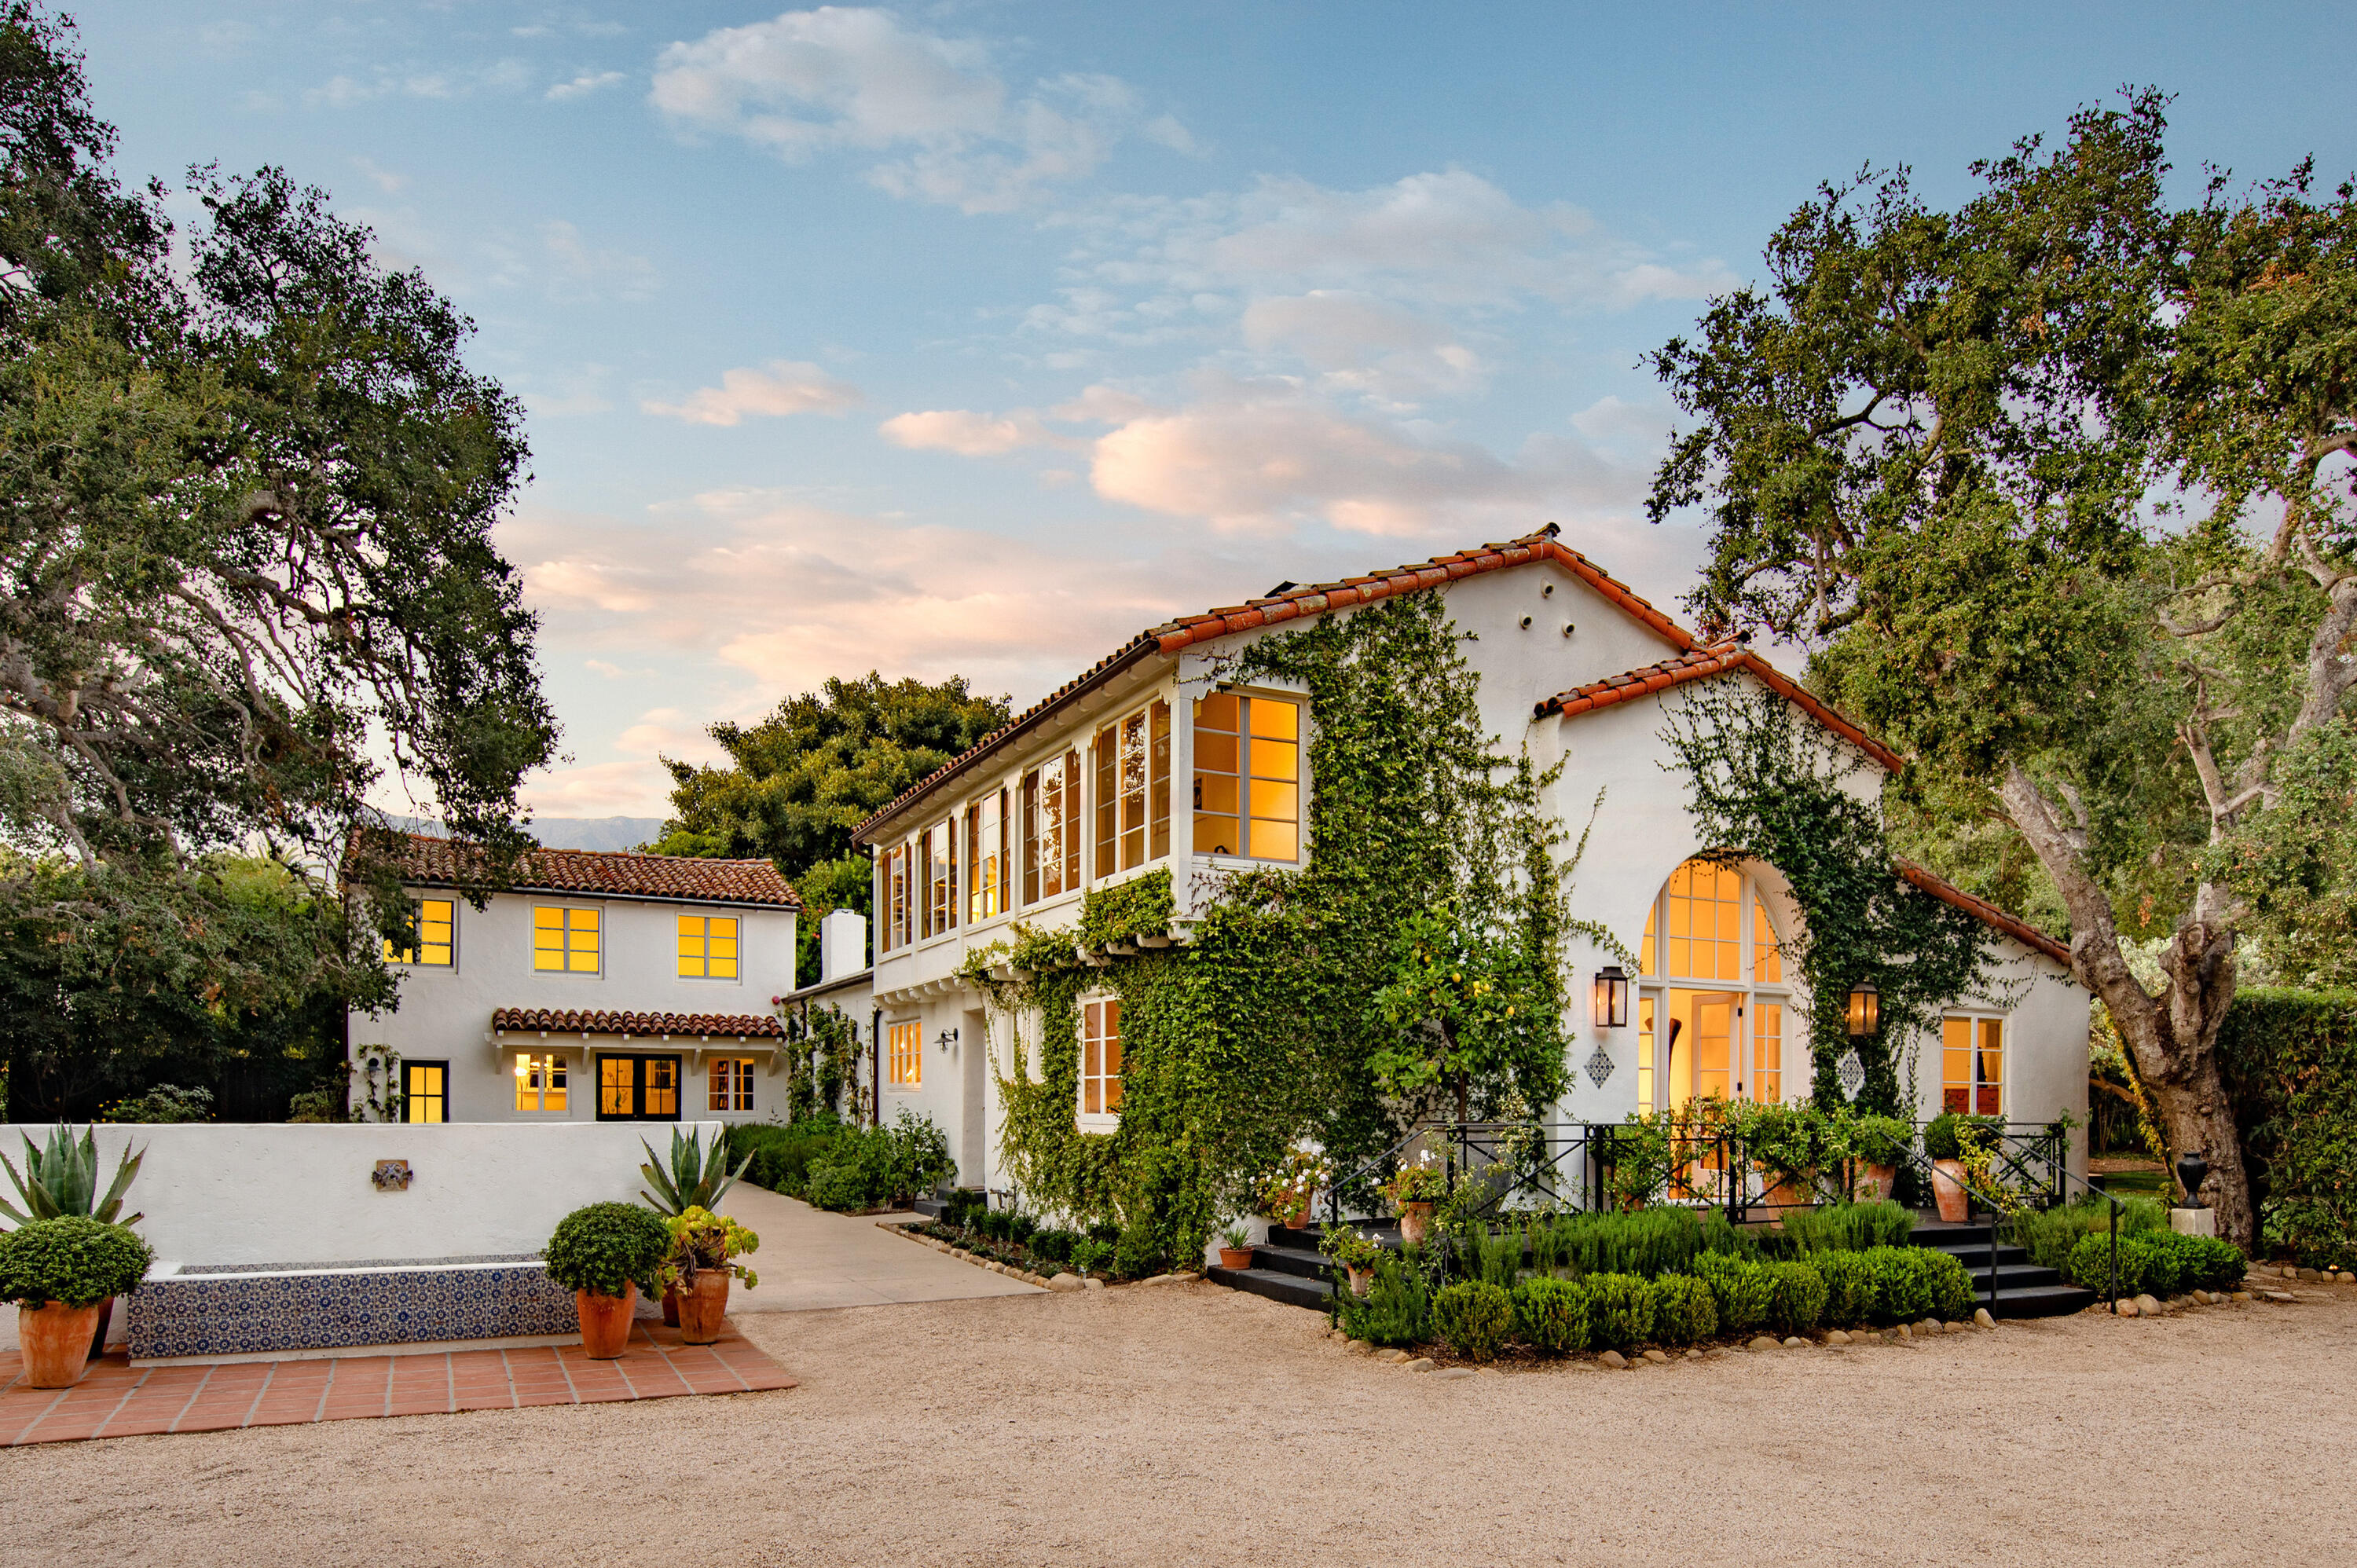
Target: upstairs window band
{"points": [[1051, 830], [1248, 776], [937, 857], [565, 940], [985, 857], [1133, 768], [892, 898], [436, 921], [707, 947]]}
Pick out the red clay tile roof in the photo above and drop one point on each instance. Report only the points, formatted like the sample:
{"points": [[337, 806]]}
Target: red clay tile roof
{"points": [[1699, 663], [585, 1023], [427, 861], [1171, 636], [1985, 912]]}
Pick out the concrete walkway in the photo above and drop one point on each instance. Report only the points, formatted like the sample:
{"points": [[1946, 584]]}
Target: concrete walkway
{"points": [[810, 1259]]}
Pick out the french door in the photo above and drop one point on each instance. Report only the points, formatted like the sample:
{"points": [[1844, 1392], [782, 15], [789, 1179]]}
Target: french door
{"points": [[638, 1088]]}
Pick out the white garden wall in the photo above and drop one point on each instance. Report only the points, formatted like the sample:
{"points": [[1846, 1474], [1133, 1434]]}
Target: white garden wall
{"points": [[286, 1193]]}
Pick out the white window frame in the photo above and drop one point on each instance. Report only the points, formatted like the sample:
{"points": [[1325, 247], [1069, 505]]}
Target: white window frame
{"points": [[891, 1083], [559, 1059], [604, 940], [1095, 1121], [416, 902], [736, 919], [751, 1098], [2004, 1043]]}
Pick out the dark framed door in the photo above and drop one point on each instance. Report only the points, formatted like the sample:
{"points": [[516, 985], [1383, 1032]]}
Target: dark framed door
{"points": [[638, 1088]]}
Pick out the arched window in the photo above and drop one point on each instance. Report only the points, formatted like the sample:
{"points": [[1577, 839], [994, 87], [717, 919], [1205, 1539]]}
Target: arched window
{"points": [[1712, 1000]]}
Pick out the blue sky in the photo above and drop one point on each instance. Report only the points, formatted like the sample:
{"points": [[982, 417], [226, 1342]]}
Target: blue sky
{"points": [[974, 338]]}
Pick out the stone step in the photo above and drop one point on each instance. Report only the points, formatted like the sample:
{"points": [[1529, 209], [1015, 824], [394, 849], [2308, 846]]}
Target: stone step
{"points": [[1293, 1290]]}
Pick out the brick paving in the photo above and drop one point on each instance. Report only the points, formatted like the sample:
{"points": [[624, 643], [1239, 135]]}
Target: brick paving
{"points": [[115, 1398]]}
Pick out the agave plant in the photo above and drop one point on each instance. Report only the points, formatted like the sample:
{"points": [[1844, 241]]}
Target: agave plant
{"points": [[695, 1178], [63, 1179]]}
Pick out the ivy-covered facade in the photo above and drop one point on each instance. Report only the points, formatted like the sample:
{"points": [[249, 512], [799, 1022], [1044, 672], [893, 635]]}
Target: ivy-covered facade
{"points": [[1334, 861]]}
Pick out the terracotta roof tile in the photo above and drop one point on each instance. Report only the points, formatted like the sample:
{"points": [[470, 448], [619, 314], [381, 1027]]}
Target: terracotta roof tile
{"points": [[1987, 913], [1312, 599], [1699, 663], [578, 1021], [428, 861]]}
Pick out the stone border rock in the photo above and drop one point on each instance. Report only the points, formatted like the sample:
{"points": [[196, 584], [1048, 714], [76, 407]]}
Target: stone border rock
{"points": [[1763, 1344]]}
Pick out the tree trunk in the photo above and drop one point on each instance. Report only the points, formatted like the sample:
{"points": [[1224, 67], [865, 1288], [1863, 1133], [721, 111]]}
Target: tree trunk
{"points": [[2174, 1036]]}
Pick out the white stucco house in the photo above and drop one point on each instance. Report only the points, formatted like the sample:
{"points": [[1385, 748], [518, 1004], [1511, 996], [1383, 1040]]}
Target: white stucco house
{"points": [[610, 987], [1149, 760]]}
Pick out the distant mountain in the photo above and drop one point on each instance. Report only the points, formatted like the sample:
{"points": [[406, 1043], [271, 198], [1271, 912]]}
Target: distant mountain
{"points": [[567, 833]]}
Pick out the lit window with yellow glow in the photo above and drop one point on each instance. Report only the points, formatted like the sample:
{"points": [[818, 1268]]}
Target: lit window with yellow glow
{"points": [[1972, 1066], [707, 947], [425, 1091], [731, 1081], [436, 921], [1248, 776], [905, 1056], [565, 940], [540, 1081]]}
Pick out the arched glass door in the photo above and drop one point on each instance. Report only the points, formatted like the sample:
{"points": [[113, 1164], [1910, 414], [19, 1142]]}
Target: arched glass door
{"points": [[1711, 999]]}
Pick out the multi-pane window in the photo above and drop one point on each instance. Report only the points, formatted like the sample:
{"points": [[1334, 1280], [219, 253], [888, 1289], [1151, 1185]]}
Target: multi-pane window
{"points": [[1767, 961], [1248, 776], [1645, 1006], [1704, 906], [707, 947], [425, 1091], [904, 1056], [437, 920], [1767, 1052], [985, 857], [1101, 1059], [938, 857], [565, 940], [540, 1081], [1133, 764], [1972, 1066], [892, 897], [1051, 829], [730, 1080]]}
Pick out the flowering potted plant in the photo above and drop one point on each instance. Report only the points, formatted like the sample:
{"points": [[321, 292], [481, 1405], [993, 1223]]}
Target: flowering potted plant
{"points": [[1412, 1192], [59, 1271], [1237, 1254], [1286, 1192], [699, 1265], [605, 1254], [1357, 1251]]}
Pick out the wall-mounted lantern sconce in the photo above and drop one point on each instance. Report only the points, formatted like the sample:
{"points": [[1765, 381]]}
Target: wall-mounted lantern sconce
{"points": [[947, 1038], [1609, 1010], [1864, 1010]]}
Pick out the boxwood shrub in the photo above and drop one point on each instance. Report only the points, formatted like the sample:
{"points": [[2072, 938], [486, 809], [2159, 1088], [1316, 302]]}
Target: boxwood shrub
{"points": [[605, 1246], [1849, 1286], [73, 1259], [1917, 1282], [1741, 1289], [1796, 1303], [1473, 1316], [2158, 1262], [1619, 1311], [1683, 1310], [1551, 1315]]}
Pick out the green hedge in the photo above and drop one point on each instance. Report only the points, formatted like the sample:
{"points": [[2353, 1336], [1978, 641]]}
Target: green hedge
{"points": [[2156, 1262], [2290, 1059], [780, 1156], [1473, 1318]]}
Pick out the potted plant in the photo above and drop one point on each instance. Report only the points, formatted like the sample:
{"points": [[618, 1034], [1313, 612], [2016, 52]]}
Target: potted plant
{"points": [[605, 1254], [61, 1180], [59, 1273], [698, 1266], [1358, 1252], [1875, 1143], [1787, 1142], [693, 1179], [1237, 1254], [1286, 1192], [1943, 1145], [1413, 1192]]}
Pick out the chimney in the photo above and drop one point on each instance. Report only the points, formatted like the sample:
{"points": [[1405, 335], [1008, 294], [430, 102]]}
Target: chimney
{"points": [[842, 943]]}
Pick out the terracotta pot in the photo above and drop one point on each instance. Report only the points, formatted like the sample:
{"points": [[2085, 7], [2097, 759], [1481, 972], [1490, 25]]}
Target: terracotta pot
{"points": [[701, 1307], [1361, 1278], [1234, 1259], [56, 1338], [1789, 1192], [98, 1339], [606, 1321], [1875, 1183], [670, 1307], [1948, 1190], [1416, 1223]]}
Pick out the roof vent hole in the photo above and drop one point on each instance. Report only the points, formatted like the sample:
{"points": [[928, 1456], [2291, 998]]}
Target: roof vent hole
{"points": [[1567, 629], [1526, 623]]}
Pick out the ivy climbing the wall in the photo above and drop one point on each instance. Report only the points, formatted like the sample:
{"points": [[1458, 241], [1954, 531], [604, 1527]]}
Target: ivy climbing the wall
{"points": [[1336, 1001], [821, 1062], [1765, 784]]}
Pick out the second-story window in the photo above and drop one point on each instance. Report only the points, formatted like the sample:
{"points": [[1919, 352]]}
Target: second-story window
{"points": [[707, 947], [939, 854], [1133, 768], [1051, 829], [565, 940], [436, 921], [985, 857], [892, 897], [1248, 776]]}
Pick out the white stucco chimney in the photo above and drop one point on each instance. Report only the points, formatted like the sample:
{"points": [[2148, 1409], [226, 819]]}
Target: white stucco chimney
{"points": [[842, 943]]}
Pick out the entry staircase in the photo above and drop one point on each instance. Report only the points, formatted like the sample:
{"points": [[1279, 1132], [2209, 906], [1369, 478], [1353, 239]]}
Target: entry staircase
{"points": [[1287, 1267]]}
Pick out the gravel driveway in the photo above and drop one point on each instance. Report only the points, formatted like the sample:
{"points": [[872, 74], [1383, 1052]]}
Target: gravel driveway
{"points": [[1179, 1424]]}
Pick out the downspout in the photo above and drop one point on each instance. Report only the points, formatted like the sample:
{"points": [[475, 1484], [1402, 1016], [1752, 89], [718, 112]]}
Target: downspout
{"points": [[876, 1067]]}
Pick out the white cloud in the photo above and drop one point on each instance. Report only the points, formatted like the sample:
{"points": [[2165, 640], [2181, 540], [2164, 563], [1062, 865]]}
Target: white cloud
{"points": [[581, 86], [385, 179], [857, 80], [785, 387], [970, 434], [576, 271], [1363, 343], [346, 92], [634, 785]]}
